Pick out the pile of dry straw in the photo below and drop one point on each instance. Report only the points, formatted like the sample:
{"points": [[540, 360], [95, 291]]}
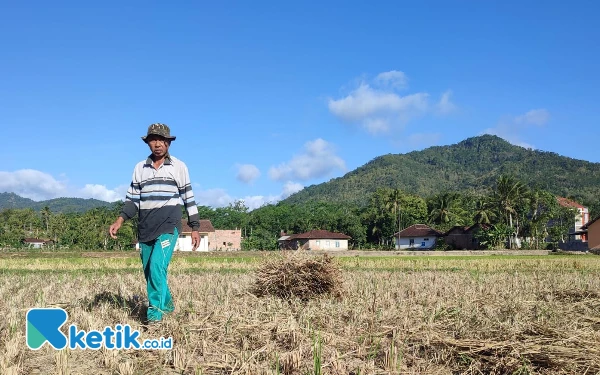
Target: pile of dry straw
{"points": [[297, 275]]}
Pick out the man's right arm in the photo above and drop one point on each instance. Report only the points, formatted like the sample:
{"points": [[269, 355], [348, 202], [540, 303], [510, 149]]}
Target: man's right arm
{"points": [[131, 206]]}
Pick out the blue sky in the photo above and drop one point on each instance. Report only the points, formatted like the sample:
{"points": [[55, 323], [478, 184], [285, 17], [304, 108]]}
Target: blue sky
{"points": [[268, 97]]}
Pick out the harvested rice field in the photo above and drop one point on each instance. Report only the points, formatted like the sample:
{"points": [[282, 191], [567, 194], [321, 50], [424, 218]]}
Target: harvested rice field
{"points": [[273, 313]]}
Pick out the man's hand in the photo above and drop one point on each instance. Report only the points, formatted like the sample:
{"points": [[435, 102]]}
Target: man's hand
{"points": [[114, 228], [195, 239]]}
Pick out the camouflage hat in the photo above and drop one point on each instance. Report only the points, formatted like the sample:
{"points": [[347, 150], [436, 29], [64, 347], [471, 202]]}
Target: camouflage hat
{"points": [[159, 129]]}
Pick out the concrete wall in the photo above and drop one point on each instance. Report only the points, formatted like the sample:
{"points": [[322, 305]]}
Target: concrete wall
{"points": [[418, 242], [594, 234], [225, 240]]}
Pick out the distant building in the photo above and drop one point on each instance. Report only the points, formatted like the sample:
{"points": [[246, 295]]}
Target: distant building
{"points": [[418, 236], [225, 240], [592, 230], [463, 238], [315, 240], [184, 242], [210, 239], [582, 217], [282, 240], [37, 243]]}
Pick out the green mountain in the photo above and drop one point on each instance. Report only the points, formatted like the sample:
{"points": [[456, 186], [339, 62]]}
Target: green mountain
{"points": [[65, 205], [471, 165]]}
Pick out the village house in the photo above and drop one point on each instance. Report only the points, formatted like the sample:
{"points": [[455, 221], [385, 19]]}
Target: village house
{"points": [[417, 236], [37, 243], [464, 238], [315, 240], [184, 242], [281, 241], [592, 230], [210, 239], [582, 217]]}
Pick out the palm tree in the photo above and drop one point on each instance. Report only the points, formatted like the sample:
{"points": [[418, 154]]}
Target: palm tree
{"points": [[483, 211], [508, 197], [46, 215], [441, 208], [393, 202]]}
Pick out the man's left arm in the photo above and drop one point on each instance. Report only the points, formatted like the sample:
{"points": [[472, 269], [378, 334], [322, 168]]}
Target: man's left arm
{"points": [[187, 196]]}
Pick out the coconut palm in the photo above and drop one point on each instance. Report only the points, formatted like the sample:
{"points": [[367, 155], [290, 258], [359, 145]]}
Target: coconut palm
{"points": [[484, 213], [441, 208], [46, 216], [508, 197], [393, 202]]}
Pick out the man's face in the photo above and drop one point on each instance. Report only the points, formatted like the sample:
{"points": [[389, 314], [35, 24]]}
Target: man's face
{"points": [[158, 145]]}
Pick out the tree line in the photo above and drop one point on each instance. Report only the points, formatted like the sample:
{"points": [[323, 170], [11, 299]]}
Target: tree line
{"points": [[509, 209]]}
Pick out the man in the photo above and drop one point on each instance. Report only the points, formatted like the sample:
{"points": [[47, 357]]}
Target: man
{"points": [[157, 185]]}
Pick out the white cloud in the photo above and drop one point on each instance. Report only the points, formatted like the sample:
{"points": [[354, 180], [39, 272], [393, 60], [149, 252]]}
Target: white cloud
{"points": [[379, 108], [37, 185], [32, 184], [445, 105], [393, 78], [511, 128], [247, 173], [212, 197], [534, 117], [317, 160], [102, 193]]}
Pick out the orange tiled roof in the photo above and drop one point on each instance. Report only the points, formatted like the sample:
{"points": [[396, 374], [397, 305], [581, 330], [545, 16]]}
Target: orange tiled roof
{"points": [[565, 202], [205, 226], [318, 235]]}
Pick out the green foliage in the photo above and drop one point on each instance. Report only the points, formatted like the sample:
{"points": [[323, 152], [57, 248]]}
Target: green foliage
{"points": [[493, 237], [87, 230], [389, 211]]}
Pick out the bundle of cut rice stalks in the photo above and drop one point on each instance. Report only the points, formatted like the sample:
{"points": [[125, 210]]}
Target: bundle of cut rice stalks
{"points": [[298, 275]]}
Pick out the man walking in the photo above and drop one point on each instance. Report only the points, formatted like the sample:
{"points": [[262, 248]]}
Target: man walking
{"points": [[158, 186]]}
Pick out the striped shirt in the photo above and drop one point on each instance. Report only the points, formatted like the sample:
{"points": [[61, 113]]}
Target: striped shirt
{"points": [[156, 195]]}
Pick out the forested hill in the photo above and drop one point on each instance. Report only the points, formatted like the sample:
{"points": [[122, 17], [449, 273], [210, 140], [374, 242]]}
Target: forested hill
{"points": [[65, 205], [472, 164]]}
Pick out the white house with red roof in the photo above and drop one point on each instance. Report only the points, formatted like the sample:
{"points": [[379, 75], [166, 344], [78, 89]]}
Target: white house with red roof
{"points": [[417, 236], [582, 217], [37, 243], [184, 242], [315, 240]]}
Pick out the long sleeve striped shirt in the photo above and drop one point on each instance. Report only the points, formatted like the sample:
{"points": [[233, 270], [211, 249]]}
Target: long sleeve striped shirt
{"points": [[156, 195]]}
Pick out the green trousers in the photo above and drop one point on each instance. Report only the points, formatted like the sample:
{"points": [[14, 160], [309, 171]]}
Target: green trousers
{"points": [[156, 256]]}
